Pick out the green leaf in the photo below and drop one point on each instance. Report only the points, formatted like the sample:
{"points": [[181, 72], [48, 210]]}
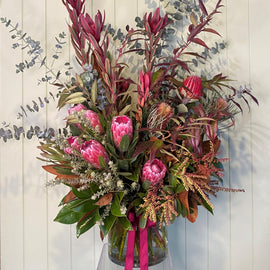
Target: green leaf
{"points": [[67, 216], [77, 100], [111, 150], [102, 162], [180, 187], [82, 206], [142, 222], [74, 130], [115, 209], [172, 180], [136, 174], [124, 144], [146, 184], [123, 165], [94, 91], [83, 194], [125, 223], [87, 223], [108, 223]]}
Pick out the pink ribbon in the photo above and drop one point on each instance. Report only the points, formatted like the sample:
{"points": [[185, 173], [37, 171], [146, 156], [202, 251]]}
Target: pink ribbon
{"points": [[143, 243]]}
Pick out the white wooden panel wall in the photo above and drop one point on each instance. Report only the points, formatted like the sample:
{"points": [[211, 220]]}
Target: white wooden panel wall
{"points": [[237, 237]]}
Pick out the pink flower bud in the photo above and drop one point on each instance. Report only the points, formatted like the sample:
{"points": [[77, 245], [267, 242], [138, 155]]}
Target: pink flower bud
{"points": [[121, 125], [194, 86], [93, 119], [153, 171], [155, 22], [91, 150], [74, 144]]}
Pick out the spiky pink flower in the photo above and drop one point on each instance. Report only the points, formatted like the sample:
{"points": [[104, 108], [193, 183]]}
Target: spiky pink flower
{"points": [[155, 23], [93, 119], [194, 87], [153, 171], [121, 125], [91, 150], [91, 27], [74, 144]]}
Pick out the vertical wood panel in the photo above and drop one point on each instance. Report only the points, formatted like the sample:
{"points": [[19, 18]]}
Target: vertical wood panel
{"points": [[260, 70], [240, 163], [35, 209], [12, 219], [59, 235]]}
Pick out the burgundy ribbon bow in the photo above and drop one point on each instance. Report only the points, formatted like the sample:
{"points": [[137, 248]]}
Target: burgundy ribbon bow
{"points": [[143, 243]]}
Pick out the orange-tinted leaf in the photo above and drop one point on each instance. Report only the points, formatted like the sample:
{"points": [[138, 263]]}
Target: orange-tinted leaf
{"points": [[194, 207], [106, 199], [101, 235], [183, 197], [51, 169], [70, 196]]}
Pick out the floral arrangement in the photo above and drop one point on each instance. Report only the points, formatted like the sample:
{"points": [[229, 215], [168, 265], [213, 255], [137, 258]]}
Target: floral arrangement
{"points": [[144, 149]]}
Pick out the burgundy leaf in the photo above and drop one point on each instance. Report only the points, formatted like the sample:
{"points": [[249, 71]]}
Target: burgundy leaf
{"points": [[210, 30], [202, 7], [199, 41]]}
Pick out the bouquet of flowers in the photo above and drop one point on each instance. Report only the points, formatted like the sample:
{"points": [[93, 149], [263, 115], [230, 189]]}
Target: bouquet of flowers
{"points": [[139, 152]]}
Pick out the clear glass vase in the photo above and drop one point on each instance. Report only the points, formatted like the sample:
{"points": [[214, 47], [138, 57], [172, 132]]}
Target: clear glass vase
{"points": [[157, 245]]}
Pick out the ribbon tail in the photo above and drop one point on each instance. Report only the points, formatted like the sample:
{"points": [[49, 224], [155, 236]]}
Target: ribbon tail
{"points": [[130, 250], [143, 249]]}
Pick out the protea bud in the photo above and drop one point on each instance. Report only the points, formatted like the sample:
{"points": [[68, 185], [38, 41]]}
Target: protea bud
{"points": [[74, 145], [153, 171], [93, 119], [91, 27], [76, 108], [194, 87], [121, 125], [91, 150], [159, 116]]}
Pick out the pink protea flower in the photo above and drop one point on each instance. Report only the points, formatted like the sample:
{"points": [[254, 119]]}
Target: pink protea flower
{"points": [[121, 125], [74, 144], [153, 171], [91, 150], [90, 27], [93, 119], [194, 85], [76, 108], [155, 23]]}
